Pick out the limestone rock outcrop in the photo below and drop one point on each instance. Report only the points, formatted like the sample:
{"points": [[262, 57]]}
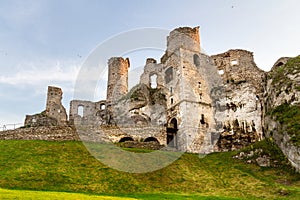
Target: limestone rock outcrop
{"points": [[282, 107]]}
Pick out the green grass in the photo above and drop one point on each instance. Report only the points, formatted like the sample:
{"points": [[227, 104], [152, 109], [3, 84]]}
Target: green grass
{"points": [[29, 195], [68, 167]]}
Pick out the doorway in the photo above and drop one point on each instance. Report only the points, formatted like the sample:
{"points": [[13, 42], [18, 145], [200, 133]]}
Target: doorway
{"points": [[172, 134]]}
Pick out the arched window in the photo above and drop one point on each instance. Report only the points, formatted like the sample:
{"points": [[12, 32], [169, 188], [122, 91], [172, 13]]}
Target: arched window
{"points": [[153, 81], [102, 106], [196, 60], [173, 123], [169, 75], [80, 110]]}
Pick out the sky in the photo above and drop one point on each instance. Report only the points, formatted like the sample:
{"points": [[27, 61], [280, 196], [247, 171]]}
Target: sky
{"points": [[46, 42]]}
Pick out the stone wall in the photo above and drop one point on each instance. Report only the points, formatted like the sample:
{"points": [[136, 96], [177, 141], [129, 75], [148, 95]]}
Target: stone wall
{"points": [[92, 112], [40, 119], [54, 107], [55, 113], [114, 134], [244, 91], [50, 133], [152, 69]]}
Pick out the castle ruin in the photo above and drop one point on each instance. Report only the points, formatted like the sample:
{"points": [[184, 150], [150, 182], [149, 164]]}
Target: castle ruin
{"points": [[188, 101]]}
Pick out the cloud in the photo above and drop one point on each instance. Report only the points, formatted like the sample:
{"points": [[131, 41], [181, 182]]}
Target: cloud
{"points": [[34, 74]]}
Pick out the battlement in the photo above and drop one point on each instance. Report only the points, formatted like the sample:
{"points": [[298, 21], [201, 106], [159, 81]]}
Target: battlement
{"points": [[191, 32], [183, 37]]}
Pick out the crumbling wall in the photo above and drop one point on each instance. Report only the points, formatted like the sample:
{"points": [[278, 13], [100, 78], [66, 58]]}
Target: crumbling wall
{"points": [[115, 134], [55, 113], [54, 107], [93, 113], [152, 70], [184, 38], [40, 119], [49, 133], [244, 87]]}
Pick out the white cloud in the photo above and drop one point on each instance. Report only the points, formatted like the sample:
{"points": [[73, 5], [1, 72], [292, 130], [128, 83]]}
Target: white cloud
{"points": [[33, 74]]}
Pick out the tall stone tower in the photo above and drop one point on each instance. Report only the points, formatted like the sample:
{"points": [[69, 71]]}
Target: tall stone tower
{"points": [[54, 107], [117, 84], [189, 104]]}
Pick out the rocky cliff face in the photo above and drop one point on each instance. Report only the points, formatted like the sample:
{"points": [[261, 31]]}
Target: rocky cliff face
{"points": [[282, 107]]}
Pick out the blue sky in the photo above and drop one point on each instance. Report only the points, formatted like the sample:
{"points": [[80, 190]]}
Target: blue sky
{"points": [[45, 42]]}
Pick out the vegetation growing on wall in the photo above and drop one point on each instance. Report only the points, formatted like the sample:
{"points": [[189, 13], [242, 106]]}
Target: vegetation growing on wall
{"points": [[280, 74], [289, 117]]}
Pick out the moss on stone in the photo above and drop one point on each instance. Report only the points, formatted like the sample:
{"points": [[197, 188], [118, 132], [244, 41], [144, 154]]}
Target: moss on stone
{"points": [[280, 74], [289, 117]]}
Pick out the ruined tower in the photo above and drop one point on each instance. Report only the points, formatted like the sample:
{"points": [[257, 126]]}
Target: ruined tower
{"points": [[117, 84], [186, 80], [185, 38], [54, 107]]}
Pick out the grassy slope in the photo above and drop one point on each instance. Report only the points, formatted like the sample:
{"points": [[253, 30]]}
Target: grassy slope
{"points": [[68, 167], [29, 195]]}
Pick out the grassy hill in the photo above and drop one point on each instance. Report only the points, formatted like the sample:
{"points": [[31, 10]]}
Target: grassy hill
{"points": [[68, 167]]}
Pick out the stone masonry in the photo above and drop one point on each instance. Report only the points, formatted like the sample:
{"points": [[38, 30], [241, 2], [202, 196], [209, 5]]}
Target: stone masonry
{"points": [[55, 113]]}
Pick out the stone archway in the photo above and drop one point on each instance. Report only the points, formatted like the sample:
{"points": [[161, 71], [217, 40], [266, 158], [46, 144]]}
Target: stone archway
{"points": [[124, 139], [172, 133], [151, 139]]}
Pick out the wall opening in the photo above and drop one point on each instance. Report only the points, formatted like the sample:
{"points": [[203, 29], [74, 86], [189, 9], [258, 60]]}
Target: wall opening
{"points": [[202, 121], [151, 139], [80, 109], [124, 139], [279, 64], [200, 96], [172, 134], [102, 106], [153, 81], [169, 75], [172, 100], [196, 60], [199, 85], [221, 72], [234, 62], [257, 102]]}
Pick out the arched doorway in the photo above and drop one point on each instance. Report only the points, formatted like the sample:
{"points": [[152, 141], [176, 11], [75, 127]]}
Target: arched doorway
{"points": [[172, 133], [124, 139], [151, 139]]}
